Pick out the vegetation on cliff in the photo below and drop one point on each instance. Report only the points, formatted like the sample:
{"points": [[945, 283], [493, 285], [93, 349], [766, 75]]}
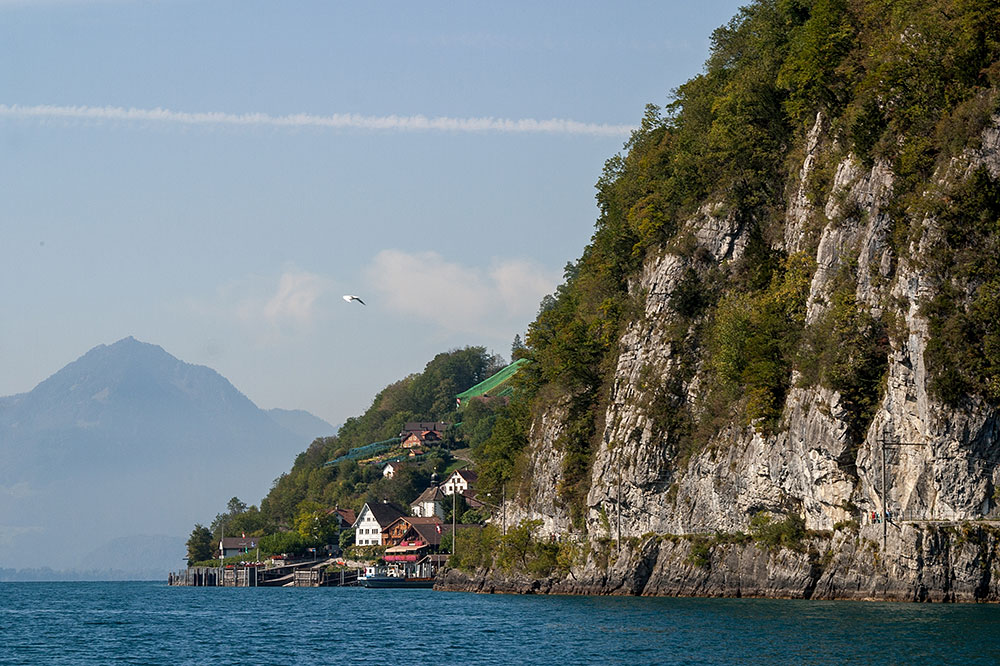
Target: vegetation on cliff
{"points": [[902, 83]]}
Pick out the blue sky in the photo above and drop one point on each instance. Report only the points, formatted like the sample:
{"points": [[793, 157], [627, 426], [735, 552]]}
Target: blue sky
{"points": [[213, 176]]}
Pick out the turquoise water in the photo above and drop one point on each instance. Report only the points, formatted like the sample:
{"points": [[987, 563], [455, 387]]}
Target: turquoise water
{"points": [[150, 623]]}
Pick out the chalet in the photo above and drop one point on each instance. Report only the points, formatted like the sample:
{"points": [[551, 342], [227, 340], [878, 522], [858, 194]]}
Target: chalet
{"points": [[430, 503], [237, 545], [411, 427], [461, 480], [423, 439], [412, 538], [372, 519]]}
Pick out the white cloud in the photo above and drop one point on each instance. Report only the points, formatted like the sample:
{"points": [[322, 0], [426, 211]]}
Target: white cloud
{"points": [[265, 308], [457, 298], [295, 299], [417, 123]]}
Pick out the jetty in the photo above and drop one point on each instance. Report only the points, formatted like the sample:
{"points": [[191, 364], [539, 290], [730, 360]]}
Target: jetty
{"points": [[311, 573]]}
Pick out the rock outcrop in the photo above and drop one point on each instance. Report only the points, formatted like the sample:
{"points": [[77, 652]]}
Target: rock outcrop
{"points": [[933, 468]]}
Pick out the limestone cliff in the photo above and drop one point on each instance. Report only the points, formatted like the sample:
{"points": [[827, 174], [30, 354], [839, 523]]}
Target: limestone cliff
{"points": [[775, 370], [933, 467]]}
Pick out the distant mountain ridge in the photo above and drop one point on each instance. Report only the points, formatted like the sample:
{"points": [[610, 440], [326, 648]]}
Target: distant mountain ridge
{"points": [[302, 423], [130, 440]]}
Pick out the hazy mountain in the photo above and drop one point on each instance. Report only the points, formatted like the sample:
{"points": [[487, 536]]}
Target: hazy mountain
{"points": [[302, 423], [127, 440]]}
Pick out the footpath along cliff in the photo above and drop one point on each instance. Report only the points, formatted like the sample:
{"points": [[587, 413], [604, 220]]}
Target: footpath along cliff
{"points": [[776, 369]]}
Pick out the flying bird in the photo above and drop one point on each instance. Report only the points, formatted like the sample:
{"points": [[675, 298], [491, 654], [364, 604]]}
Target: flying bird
{"points": [[349, 298]]}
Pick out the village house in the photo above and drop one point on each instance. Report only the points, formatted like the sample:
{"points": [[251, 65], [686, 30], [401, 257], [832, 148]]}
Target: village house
{"points": [[425, 438], [372, 519], [410, 539], [345, 518], [391, 468], [430, 503], [237, 545], [411, 427], [413, 529], [460, 481]]}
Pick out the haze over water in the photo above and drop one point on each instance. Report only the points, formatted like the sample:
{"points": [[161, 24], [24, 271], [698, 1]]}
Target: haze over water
{"points": [[150, 623]]}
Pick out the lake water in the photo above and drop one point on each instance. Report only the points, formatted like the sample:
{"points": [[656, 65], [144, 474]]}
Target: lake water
{"points": [[150, 623]]}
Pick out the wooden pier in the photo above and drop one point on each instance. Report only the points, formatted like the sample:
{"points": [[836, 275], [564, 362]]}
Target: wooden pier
{"points": [[302, 574]]}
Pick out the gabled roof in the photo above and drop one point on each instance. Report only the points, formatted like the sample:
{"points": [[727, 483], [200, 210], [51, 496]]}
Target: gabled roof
{"points": [[239, 542], [423, 436], [428, 529], [422, 426], [383, 512], [347, 515], [467, 474], [432, 494]]}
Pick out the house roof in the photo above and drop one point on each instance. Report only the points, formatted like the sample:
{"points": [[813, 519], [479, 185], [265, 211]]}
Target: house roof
{"points": [[423, 436], [428, 529], [421, 426], [432, 494], [347, 515], [239, 542], [467, 474], [471, 499], [383, 512]]}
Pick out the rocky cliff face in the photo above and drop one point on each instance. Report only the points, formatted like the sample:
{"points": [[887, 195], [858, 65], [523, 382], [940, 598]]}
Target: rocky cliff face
{"points": [[933, 467]]}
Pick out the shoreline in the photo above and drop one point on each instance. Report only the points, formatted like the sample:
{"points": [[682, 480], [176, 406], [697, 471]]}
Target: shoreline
{"points": [[919, 565]]}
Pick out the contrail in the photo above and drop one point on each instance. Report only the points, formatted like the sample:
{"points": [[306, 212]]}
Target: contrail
{"points": [[416, 123]]}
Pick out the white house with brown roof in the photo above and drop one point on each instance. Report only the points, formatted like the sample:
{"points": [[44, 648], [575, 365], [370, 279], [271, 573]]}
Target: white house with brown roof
{"points": [[391, 468], [429, 504], [372, 519], [461, 480]]}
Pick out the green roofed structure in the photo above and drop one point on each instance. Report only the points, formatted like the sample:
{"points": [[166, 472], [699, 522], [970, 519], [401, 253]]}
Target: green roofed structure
{"points": [[497, 386]]}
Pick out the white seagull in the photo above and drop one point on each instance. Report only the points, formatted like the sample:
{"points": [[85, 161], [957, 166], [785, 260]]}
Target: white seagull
{"points": [[349, 298]]}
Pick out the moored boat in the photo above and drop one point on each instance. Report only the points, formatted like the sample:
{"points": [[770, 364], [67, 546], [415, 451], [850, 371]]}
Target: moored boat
{"points": [[393, 576]]}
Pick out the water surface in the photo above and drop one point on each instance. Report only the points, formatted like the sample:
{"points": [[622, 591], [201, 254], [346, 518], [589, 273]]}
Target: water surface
{"points": [[150, 623]]}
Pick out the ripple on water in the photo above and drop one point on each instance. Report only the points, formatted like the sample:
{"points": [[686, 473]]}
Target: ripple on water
{"points": [[150, 623]]}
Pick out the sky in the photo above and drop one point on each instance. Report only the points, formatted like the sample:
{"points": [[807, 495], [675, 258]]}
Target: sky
{"points": [[214, 176]]}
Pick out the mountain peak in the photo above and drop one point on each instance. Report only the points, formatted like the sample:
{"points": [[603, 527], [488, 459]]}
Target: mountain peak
{"points": [[130, 420]]}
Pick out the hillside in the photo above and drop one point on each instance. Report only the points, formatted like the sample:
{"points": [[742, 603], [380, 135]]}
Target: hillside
{"points": [[311, 483], [794, 276], [126, 440]]}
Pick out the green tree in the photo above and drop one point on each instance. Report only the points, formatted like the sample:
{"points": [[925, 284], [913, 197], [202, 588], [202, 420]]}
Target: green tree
{"points": [[199, 545], [315, 523], [346, 539]]}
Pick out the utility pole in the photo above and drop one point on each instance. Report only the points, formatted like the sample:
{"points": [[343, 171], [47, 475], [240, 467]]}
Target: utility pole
{"points": [[454, 533]]}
